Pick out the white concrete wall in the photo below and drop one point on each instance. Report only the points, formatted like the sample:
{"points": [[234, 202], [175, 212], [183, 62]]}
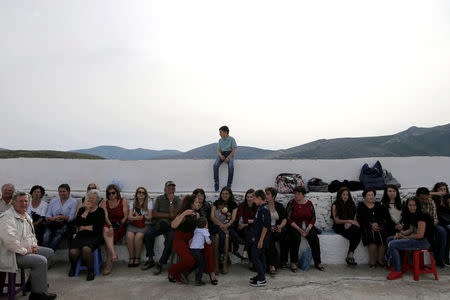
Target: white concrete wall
{"points": [[411, 172]]}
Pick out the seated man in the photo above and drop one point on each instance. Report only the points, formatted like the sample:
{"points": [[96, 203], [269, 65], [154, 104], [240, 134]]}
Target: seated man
{"points": [[19, 249], [60, 213], [5, 200], [164, 211]]}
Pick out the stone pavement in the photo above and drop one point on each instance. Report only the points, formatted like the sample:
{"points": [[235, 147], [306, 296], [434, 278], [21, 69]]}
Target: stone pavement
{"points": [[337, 282]]}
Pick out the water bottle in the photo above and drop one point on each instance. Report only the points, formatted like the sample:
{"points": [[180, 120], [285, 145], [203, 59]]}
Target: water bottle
{"points": [[303, 226]]}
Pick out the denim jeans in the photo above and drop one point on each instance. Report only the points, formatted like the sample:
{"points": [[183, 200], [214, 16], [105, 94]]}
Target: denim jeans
{"points": [[217, 164], [440, 242], [395, 246], [52, 238]]}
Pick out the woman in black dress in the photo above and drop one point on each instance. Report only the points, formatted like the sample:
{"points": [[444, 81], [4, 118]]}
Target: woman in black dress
{"points": [[373, 223], [89, 223]]}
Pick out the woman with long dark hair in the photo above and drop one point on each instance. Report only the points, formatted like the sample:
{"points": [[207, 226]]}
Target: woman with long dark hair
{"points": [[392, 206], [245, 215], [343, 213], [224, 227], [441, 197], [418, 234]]}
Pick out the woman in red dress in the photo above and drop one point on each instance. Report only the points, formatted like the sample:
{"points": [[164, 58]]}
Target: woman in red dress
{"points": [[116, 209]]}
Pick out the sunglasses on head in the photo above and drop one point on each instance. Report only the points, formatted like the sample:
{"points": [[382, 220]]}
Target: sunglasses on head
{"points": [[111, 193], [141, 192]]}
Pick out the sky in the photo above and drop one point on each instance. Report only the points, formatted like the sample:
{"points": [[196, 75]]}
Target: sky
{"points": [[167, 74]]}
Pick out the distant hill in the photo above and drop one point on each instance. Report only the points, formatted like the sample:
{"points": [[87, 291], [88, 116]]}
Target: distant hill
{"points": [[210, 152], [113, 152], [45, 154], [415, 141], [3, 149]]}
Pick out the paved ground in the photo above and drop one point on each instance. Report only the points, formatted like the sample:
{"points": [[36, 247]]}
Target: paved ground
{"points": [[337, 282]]}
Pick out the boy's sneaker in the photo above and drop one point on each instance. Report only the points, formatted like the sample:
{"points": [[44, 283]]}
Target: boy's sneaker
{"points": [[447, 262], [158, 269], [254, 278], [199, 282], [258, 283]]}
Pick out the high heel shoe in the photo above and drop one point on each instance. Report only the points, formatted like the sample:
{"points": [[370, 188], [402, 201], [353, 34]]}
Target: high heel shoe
{"points": [[171, 279], [213, 281]]}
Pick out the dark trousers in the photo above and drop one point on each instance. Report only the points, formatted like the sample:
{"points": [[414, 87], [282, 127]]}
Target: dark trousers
{"points": [[259, 261], [200, 261], [233, 238], [353, 235], [313, 241], [245, 235], [273, 259], [149, 239]]}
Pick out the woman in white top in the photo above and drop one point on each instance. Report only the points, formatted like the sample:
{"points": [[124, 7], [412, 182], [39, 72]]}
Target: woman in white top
{"points": [[392, 206], [139, 216], [37, 210]]}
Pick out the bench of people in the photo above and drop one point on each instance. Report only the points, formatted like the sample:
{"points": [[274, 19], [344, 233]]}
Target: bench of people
{"points": [[420, 222]]}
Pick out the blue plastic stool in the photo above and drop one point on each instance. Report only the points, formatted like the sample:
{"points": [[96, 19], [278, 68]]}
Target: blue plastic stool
{"points": [[13, 287], [97, 263]]}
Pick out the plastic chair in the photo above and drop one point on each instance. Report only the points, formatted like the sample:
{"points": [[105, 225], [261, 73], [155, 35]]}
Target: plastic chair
{"points": [[13, 287], [97, 263], [418, 267]]}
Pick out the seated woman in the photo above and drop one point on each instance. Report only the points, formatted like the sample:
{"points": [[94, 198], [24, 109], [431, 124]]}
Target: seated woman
{"points": [[441, 197], [139, 216], [343, 213], [392, 205], [417, 234], [373, 223], [37, 210], [116, 209], [245, 215], [89, 225], [278, 222], [301, 217], [224, 227], [184, 225], [91, 186]]}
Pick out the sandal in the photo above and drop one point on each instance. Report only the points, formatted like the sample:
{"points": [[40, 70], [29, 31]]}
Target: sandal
{"points": [[131, 262], [212, 281], [272, 271], [137, 262], [373, 266], [350, 261], [319, 267], [294, 268]]}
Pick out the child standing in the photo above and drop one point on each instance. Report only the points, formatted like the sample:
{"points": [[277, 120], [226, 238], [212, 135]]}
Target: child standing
{"points": [[225, 151], [201, 236], [260, 238]]}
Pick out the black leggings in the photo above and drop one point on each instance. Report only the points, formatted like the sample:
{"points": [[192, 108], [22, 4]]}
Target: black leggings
{"points": [[353, 235], [313, 241]]}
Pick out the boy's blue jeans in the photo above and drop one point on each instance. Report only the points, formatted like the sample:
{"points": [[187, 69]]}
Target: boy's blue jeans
{"points": [[395, 246], [259, 261], [217, 164]]}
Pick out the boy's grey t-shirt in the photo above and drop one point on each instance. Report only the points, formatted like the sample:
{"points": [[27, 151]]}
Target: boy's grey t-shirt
{"points": [[162, 205], [227, 144]]}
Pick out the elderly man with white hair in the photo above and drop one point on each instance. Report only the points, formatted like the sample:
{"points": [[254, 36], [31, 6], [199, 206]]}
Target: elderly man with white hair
{"points": [[19, 249], [7, 193]]}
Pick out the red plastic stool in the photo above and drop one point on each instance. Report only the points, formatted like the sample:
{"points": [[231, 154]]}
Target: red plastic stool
{"points": [[418, 267], [13, 287]]}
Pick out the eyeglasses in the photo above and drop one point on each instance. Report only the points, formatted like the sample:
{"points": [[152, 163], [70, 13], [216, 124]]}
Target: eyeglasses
{"points": [[111, 193], [141, 192]]}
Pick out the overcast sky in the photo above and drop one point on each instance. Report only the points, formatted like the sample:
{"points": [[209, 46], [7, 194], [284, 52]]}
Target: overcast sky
{"points": [[168, 74]]}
